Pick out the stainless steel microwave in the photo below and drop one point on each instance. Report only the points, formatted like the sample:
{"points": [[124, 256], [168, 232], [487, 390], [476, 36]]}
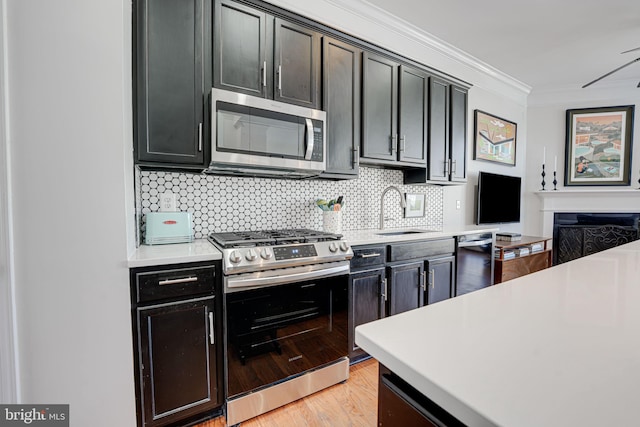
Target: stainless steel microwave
{"points": [[261, 137]]}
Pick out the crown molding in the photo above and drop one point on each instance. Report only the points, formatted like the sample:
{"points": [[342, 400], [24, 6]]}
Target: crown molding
{"points": [[382, 18]]}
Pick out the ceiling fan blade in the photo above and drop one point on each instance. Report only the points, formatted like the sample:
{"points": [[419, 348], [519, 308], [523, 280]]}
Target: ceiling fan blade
{"points": [[630, 50], [611, 72]]}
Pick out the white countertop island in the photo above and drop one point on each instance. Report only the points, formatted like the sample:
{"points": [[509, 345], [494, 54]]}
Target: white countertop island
{"points": [[560, 347]]}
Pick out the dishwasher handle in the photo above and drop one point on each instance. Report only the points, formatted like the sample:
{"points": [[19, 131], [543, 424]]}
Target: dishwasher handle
{"points": [[470, 243]]}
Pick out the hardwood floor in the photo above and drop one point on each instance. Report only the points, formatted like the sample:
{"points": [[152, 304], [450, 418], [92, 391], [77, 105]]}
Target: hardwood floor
{"points": [[354, 403]]}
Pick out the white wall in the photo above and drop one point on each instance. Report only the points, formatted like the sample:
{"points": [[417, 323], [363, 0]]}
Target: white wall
{"points": [[546, 122], [69, 71], [9, 382]]}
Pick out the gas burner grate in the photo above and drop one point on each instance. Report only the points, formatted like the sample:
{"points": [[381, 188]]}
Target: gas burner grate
{"points": [[270, 237]]}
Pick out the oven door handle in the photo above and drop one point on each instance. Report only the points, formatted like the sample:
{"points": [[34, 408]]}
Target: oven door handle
{"points": [[245, 282]]}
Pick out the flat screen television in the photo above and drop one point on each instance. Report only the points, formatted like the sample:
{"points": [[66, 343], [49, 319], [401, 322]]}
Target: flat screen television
{"points": [[498, 198]]}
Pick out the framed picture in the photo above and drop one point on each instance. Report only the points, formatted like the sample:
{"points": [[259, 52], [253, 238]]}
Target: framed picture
{"points": [[598, 146], [495, 138], [415, 205]]}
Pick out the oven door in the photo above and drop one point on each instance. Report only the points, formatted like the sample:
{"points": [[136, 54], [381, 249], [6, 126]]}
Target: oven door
{"points": [[277, 332]]}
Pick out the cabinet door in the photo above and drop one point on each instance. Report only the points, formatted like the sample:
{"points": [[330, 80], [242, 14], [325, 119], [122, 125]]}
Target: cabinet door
{"points": [[440, 274], [177, 353], [243, 49], [366, 303], [458, 134], [171, 82], [379, 108], [413, 116], [341, 100], [438, 168], [297, 64], [405, 287]]}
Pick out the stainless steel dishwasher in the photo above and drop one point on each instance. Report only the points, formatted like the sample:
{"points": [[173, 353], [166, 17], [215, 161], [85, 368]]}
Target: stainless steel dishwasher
{"points": [[475, 262]]}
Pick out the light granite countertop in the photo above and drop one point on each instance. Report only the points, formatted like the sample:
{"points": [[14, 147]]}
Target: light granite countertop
{"points": [[203, 250]]}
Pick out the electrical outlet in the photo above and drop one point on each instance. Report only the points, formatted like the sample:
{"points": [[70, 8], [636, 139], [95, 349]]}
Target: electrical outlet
{"points": [[168, 202], [457, 204]]}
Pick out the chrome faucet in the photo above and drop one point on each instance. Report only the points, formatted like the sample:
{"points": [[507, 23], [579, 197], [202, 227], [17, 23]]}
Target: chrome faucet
{"points": [[403, 204]]}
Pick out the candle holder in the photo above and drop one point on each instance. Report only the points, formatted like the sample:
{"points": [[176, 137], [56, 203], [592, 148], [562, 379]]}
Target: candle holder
{"points": [[555, 181], [543, 175]]}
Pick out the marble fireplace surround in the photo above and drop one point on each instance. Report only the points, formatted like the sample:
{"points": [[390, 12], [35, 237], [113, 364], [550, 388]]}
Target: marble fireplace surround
{"points": [[602, 199]]}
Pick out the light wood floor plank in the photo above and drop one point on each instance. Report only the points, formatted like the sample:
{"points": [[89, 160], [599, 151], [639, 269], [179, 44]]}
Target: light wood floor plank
{"points": [[352, 404]]}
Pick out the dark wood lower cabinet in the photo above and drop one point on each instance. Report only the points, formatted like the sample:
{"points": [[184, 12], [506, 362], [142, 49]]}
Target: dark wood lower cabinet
{"points": [[406, 285], [177, 361], [399, 404], [177, 324], [366, 297], [441, 278]]}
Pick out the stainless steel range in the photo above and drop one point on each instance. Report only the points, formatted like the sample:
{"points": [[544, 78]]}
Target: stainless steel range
{"points": [[285, 316]]}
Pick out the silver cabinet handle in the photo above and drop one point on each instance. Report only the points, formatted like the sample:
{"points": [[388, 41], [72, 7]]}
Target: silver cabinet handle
{"points": [[403, 142], [446, 167], [432, 273], [199, 136], [264, 74], [212, 335], [384, 289], [453, 167], [371, 255], [280, 79], [424, 280], [355, 156], [176, 281], [309, 152], [394, 143]]}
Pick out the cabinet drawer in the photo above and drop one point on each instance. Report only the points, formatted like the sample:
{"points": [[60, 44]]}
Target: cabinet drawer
{"points": [[368, 256], [174, 283], [421, 249]]}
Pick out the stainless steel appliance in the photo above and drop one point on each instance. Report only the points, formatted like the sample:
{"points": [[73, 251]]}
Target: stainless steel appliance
{"points": [[261, 137], [286, 316], [475, 262]]}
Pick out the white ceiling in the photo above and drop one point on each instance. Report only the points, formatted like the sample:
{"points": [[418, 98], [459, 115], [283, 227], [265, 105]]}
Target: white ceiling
{"points": [[546, 44]]}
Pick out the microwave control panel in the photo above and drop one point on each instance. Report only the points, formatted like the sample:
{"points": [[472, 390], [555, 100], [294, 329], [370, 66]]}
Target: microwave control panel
{"points": [[318, 141]]}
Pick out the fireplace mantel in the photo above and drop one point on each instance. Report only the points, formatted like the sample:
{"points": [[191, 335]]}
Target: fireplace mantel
{"points": [[602, 199]]}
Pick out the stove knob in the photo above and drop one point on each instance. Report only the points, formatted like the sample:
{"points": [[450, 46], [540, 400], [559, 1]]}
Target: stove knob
{"points": [[265, 254], [235, 257], [344, 247], [251, 255], [333, 247]]}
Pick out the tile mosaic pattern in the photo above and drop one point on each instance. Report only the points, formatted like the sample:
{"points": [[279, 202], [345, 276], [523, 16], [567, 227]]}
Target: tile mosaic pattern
{"points": [[229, 203]]}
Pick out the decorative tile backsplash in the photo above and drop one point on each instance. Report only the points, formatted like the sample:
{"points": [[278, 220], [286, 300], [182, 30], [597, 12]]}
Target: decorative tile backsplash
{"points": [[229, 203]]}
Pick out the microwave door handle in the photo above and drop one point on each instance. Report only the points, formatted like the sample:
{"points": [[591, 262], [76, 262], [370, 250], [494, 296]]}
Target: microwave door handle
{"points": [[307, 154]]}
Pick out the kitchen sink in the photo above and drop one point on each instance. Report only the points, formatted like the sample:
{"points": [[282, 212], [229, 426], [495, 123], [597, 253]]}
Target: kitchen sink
{"points": [[402, 232]]}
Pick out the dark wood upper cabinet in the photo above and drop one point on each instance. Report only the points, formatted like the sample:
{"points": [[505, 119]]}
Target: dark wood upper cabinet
{"points": [[379, 109], [297, 64], [261, 55], [172, 80], [413, 123], [341, 100], [395, 119], [242, 49], [458, 133], [438, 168], [447, 146]]}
